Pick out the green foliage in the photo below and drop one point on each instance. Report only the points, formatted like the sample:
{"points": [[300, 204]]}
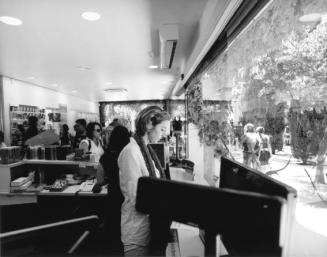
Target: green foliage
{"points": [[298, 68], [307, 130]]}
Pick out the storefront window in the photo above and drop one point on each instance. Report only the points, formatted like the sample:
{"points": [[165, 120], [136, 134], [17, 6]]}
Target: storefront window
{"points": [[272, 75]]}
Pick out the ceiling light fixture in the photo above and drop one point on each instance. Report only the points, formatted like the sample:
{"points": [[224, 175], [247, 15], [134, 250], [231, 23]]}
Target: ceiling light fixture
{"points": [[152, 67], [11, 20], [55, 85], [108, 83], [116, 90], [31, 77], [83, 68], [91, 16]]}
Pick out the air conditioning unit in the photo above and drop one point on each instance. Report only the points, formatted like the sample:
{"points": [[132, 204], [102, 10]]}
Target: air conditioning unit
{"points": [[168, 35]]}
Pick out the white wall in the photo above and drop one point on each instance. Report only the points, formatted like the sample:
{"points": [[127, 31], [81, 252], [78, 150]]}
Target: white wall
{"points": [[17, 92]]}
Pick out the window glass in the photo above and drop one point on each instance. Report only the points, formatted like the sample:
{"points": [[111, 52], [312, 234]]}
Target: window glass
{"points": [[270, 79]]}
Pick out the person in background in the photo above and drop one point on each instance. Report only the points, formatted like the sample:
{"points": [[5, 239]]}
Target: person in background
{"points": [[265, 149], [2, 139], [107, 131], [18, 136], [140, 236], [41, 126], [80, 126], [251, 147], [108, 173], [93, 143], [32, 129], [65, 137]]}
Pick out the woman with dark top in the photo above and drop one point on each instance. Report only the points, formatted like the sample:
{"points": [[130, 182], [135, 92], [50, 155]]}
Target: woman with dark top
{"points": [[32, 129], [265, 149], [65, 137], [108, 173]]}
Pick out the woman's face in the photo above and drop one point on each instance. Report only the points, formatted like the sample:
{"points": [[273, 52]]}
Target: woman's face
{"points": [[96, 131], [158, 131]]}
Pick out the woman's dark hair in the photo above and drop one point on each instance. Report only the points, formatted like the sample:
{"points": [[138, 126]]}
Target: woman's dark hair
{"points": [[65, 128], [20, 127], [32, 121], [151, 113], [81, 122], [90, 129], [119, 138]]}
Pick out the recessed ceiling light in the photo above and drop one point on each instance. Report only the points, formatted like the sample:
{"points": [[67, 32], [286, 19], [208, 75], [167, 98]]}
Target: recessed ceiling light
{"points": [[31, 77], [91, 16], [116, 90], [153, 67], [83, 67], [108, 83], [11, 20]]}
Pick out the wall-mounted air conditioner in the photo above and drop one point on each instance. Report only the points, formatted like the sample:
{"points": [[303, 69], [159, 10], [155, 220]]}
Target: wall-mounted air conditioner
{"points": [[168, 35]]}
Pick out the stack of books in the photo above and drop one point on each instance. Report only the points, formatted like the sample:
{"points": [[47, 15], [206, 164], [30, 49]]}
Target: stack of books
{"points": [[20, 184]]}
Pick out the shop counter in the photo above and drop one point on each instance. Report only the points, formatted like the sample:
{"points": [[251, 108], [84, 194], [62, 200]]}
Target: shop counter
{"points": [[180, 174], [50, 169]]}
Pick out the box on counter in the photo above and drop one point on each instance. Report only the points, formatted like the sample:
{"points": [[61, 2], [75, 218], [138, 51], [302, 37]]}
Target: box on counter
{"points": [[20, 181]]}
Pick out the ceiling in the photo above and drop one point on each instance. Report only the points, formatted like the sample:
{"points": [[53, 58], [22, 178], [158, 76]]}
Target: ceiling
{"points": [[57, 49]]}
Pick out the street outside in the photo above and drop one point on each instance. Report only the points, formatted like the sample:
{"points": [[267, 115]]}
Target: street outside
{"points": [[310, 226]]}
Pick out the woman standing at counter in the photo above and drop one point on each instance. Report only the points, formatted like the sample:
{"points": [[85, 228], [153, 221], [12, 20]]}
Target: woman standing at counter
{"points": [[137, 159], [93, 143]]}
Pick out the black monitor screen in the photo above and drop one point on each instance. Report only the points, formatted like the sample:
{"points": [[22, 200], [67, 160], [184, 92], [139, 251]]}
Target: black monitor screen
{"points": [[234, 175], [244, 218]]}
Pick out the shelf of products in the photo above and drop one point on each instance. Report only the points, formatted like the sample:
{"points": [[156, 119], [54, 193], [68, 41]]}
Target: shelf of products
{"points": [[45, 173], [19, 116]]}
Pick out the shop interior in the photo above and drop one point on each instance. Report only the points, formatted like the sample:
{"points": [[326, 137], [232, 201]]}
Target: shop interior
{"points": [[215, 66]]}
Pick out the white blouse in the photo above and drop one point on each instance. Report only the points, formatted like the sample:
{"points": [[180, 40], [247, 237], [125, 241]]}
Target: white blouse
{"points": [[135, 226], [95, 149]]}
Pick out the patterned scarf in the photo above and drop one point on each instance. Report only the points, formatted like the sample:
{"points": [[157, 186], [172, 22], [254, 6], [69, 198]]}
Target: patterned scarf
{"points": [[150, 156]]}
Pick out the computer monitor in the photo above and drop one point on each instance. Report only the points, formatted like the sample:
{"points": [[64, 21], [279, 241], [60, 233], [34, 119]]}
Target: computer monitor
{"points": [[236, 176], [236, 215]]}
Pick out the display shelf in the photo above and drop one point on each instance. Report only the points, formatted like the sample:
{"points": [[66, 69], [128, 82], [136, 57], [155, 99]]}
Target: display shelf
{"points": [[51, 162], [27, 112], [18, 116], [49, 170], [61, 162], [11, 165]]}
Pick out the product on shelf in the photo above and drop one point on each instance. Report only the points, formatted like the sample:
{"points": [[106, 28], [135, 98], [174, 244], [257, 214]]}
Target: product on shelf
{"points": [[58, 186], [20, 181], [22, 187], [10, 154]]}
